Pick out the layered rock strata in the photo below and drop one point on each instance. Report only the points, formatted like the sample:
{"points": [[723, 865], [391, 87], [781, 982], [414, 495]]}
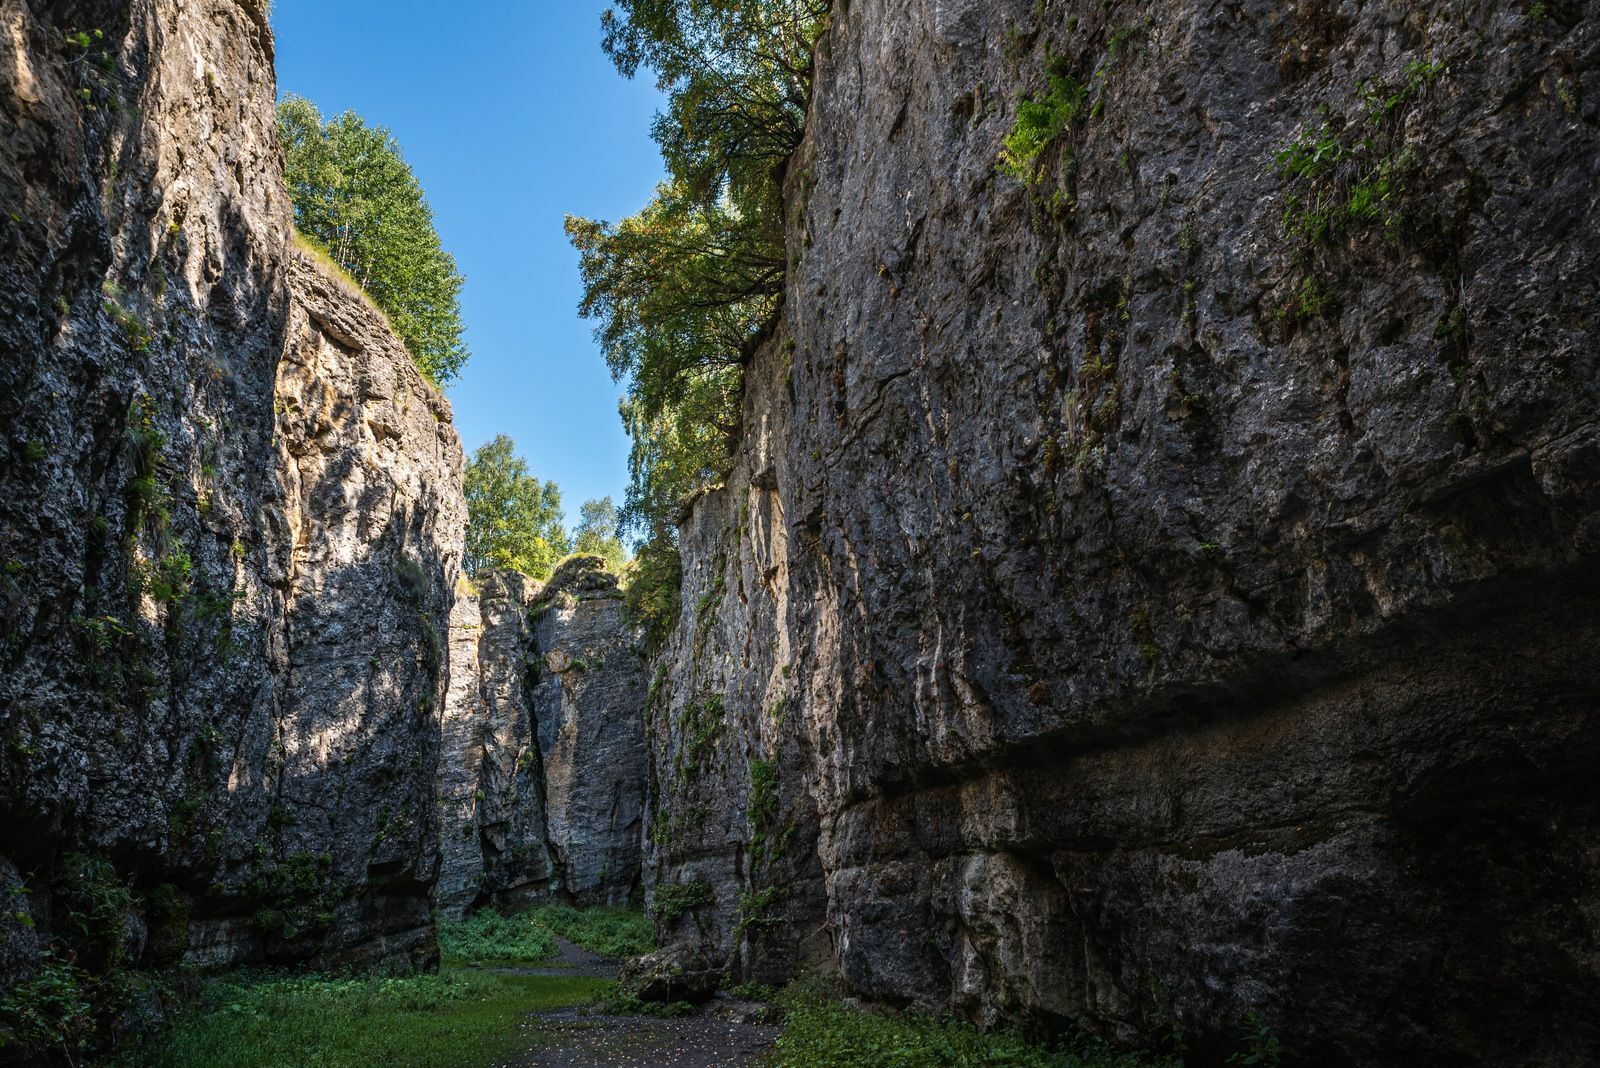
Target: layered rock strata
{"points": [[1158, 580]]}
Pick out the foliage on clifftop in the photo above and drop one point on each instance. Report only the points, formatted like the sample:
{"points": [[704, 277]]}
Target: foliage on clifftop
{"points": [[357, 200], [683, 289], [513, 519]]}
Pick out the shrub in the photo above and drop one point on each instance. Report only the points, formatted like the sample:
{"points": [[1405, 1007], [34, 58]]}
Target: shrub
{"points": [[488, 935], [49, 1013], [614, 932], [673, 900], [93, 907]]}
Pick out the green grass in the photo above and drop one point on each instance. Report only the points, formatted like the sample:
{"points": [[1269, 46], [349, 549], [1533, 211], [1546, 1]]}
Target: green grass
{"points": [[615, 932], [443, 1020], [529, 937], [489, 936], [821, 1032], [313, 251]]}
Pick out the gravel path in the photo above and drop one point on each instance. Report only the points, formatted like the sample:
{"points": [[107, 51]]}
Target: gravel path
{"points": [[568, 1039]]}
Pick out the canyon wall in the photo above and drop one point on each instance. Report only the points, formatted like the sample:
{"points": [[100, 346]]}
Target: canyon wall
{"points": [[1160, 584], [230, 523], [543, 764]]}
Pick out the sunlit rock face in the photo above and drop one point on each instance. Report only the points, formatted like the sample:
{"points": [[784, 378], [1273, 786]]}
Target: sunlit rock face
{"points": [[1167, 591], [543, 770], [230, 514]]}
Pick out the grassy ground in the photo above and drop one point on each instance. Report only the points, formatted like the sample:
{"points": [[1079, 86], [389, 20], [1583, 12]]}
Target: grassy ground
{"points": [[529, 937], [614, 932], [433, 1021], [822, 1032]]}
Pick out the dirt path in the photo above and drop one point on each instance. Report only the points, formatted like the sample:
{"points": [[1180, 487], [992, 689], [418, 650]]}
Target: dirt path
{"points": [[566, 1038], [570, 960], [720, 1037]]}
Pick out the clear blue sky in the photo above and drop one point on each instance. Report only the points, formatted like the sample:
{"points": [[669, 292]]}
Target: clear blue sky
{"points": [[511, 117]]}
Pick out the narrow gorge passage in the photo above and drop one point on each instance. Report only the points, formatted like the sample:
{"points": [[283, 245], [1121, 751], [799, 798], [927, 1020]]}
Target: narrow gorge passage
{"points": [[1098, 566]]}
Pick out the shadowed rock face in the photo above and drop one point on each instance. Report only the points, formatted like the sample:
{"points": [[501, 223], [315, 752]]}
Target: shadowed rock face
{"points": [[230, 513], [589, 704], [1125, 606], [543, 770]]}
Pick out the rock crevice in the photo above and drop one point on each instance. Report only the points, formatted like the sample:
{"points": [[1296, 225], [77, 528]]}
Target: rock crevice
{"points": [[542, 775]]}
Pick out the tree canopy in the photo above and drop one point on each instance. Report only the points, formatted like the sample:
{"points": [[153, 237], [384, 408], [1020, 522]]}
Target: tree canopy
{"points": [[357, 199], [597, 534], [513, 519], [681, 289]]}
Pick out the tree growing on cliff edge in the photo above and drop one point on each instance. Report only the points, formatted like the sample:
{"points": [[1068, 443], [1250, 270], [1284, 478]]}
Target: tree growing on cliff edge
{"points": [[596, 534], [683, 289], [513, 519], [355, 197]]}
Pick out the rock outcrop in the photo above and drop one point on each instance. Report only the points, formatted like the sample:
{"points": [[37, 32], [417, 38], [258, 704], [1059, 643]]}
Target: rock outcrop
{"points": [[1164, 589], [542, 777], [230, 518], [588, 702]]}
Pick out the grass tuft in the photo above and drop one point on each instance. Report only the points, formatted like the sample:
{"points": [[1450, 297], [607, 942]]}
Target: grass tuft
{"points": [[429, 1021], [529, 936], [314, 253], [823, 1032]]}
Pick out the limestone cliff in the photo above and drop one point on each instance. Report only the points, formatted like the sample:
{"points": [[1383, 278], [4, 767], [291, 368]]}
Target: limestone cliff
{"points": [[230, 517], [543, 767], [1167, 590]]}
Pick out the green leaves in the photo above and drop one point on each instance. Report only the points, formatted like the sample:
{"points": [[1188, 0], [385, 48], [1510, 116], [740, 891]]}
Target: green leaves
{"points": [[1039, 122], [597, 534], [682, 290], [513, 519], [355, 197]]}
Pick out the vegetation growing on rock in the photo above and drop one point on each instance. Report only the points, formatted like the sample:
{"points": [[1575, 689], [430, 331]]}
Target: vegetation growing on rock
{"points": [[513, 519], [684, 288], [357, 201]]}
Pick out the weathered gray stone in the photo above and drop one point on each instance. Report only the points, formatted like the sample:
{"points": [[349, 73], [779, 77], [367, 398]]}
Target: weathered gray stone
{"points": [[677, 972], [1138, 631], [542, 777], [589, 707], [518, 865], [458, 791], [230, 515]]}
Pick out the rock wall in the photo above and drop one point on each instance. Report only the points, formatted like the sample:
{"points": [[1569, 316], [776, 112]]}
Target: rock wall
{"points": [[1164, 589], [542, 777], [230, 518], [588, 702]]}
